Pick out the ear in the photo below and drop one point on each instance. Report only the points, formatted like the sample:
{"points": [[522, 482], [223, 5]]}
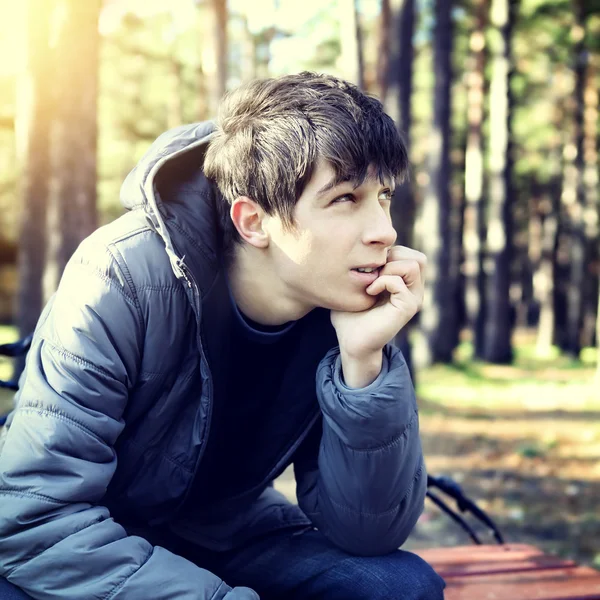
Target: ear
{"points": [[248, 218]]}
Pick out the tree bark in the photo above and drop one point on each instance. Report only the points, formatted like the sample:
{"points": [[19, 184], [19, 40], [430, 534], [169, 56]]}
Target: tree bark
{"points": [[34, 113], [72, 198], [474, 218], [527, 313], [591, 216], [598, 339], [384, 48], [215, 54], [439, 314], [396, 44], [397, 102], [574, 195], [544, 277], [350, 61], [546, 280], [497, 347], [249, 52]]}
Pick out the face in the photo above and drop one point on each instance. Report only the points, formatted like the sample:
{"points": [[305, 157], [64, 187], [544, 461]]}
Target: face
{"points": [[337, 230]]}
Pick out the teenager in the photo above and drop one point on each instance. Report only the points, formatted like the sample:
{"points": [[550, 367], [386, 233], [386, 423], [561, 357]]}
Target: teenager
{"points": [[236, 320]]}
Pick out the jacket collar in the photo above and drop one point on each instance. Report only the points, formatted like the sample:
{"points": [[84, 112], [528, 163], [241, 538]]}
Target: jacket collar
{"points": [[179, 201]]}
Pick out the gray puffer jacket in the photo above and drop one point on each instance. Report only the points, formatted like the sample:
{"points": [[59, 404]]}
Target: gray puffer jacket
{"points": [[115, 404]]}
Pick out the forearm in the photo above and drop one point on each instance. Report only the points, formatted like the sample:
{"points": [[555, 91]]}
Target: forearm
{"points": [[373, 415], [366, 503], [369, 484]]}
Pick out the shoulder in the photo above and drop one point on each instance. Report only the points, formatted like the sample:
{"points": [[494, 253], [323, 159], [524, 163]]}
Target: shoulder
{"points": [[127, 253]]}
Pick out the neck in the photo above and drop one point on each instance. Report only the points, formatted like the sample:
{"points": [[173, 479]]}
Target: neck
{"points": [[258, 291]]}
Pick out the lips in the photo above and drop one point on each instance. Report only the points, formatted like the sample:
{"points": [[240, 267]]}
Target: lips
{"points": [[371, 269], [371, 266], [365, 278]]}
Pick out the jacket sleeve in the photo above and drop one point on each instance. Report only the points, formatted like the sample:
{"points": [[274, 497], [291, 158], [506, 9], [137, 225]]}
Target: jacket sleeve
{"points": [[56, 539], [364, 485]]}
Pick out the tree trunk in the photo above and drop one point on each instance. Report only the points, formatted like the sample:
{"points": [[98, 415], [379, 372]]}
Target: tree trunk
{"points": [[384, 49], [527, 313], [72, 200], [560, 275], [474, 218], [438, 317], [497, 346], [249, 52], [547, 276], [398, 105], [592, 206], [351, 62], [202, 101], [598, 339], [215, 53], [397, 29], [32, 130], [574, 195], [544, 277], [396, 82]]}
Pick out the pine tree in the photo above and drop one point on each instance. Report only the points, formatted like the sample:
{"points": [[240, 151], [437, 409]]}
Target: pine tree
{"points": [[497, 345]]}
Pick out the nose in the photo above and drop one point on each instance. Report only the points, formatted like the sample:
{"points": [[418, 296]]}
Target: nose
{"points": [[379, 229]]}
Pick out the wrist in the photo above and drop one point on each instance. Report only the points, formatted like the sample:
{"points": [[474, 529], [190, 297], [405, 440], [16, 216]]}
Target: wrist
{"points": [[358, 372]]}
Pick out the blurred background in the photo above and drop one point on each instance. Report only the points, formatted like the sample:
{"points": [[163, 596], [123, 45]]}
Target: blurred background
{"points": [[498, 102]]}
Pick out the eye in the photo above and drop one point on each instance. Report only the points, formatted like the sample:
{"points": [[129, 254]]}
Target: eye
{"points": [[343, 199], [386, 195]]}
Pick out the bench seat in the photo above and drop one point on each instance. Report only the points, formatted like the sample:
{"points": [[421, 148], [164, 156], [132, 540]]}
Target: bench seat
{"points": [[510, 572]]}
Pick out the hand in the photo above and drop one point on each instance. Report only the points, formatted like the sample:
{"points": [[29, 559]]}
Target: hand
{"points": [[400, 287]]}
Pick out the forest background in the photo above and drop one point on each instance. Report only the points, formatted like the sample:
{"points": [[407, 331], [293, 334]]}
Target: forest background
{"points": [[498, 102]]}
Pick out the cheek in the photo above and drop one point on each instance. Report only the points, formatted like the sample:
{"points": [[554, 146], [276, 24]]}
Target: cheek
{"points": [[300, 248]]}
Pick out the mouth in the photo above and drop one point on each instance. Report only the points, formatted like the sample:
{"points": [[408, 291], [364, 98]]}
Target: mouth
{"points": [[365, 277]]}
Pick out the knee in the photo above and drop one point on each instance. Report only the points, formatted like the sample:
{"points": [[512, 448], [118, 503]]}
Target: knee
{"points": [[422, 582], [401, 575]]}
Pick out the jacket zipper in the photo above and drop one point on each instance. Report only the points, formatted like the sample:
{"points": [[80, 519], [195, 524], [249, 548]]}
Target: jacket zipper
{"points": [[191, 283], [193, 286]]}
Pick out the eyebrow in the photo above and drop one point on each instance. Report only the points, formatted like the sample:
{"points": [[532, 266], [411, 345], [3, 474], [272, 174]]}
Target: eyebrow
{"points": [[334, 183], [330, 185]]}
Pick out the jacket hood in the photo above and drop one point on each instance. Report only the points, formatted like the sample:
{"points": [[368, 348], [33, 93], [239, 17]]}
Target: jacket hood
{"points": [[179, 201]]}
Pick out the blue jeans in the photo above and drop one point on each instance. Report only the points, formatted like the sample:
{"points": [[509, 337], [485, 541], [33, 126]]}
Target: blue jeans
{"points": [[302, 565], [9, 592]]}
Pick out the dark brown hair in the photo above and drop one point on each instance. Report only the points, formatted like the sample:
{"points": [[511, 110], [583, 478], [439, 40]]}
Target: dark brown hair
{"points": [[271, 133]]}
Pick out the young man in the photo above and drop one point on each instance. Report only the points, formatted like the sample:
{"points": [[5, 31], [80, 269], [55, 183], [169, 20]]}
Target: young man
{"points": [[229, 325]]}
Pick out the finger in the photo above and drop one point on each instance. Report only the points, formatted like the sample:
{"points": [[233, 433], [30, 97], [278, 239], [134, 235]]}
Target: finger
{"points": [[390, 283], [406, 253], [409, 270]]}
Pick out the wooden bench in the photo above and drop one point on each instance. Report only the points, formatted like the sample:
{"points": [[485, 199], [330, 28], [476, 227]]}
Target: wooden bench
{"points": [[510, 572]]}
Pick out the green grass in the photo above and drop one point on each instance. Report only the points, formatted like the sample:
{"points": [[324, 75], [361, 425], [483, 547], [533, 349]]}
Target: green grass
{"points": [[554, 382], [527, 357]]}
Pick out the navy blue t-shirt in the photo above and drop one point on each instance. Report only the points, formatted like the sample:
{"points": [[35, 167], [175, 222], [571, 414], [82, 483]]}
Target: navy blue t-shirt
{"points": [[264, 393]]}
